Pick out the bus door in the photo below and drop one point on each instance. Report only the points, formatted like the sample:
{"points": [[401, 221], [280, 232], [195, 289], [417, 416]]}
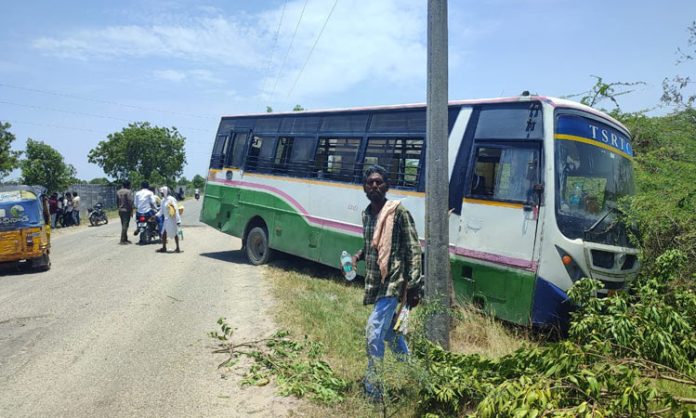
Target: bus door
{"points": [[235, 154], [233, 157], [499, 225]]}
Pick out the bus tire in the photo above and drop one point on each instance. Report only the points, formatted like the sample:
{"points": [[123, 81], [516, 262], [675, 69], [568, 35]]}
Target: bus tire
{"points": [[256, 244]]}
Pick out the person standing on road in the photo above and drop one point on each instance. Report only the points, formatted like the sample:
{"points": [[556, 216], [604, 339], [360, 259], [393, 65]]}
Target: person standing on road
{"points": [[76, 208], [53, 208], [392, 255], [124, 202], [169, 211], [67, 210]]}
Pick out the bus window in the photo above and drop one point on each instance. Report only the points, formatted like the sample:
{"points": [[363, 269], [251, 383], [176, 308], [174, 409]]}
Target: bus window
{"points": [[401, 157], [218, 159], [335, 158], [293, 156], [505, 173], [236, 157], [260, 156]]}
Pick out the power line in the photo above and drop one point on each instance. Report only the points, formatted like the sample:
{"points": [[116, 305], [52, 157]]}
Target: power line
{"points": [[48, 125], [52, 109], [75, 128], [312, 50], [287, 53], [53, 93], [275, 43]]}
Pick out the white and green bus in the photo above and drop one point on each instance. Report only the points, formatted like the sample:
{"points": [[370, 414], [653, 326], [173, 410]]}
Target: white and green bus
{"points": [[534, 185]]}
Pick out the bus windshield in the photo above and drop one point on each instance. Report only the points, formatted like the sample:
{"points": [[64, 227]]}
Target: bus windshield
{"points": [[593, 172]]}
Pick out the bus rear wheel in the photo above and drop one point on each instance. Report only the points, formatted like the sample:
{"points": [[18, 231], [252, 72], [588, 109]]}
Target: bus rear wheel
{"points": [[257, 250]]}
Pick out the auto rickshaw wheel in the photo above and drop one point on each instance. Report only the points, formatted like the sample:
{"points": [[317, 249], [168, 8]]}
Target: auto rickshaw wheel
{"points": [[42, 263]]}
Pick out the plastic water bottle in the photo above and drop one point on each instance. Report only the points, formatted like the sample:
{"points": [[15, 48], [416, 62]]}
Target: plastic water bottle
{"points": [[180, 233], [347, 263]]}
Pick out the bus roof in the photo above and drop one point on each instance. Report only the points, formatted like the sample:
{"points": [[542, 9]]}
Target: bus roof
{"points": [[552, 101]]}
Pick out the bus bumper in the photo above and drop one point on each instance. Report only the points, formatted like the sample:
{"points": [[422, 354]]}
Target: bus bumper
{"points": [[551, 306]]}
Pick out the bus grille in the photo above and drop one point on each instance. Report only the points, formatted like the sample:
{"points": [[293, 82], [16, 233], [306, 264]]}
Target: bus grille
{"points": [[610, 260]]}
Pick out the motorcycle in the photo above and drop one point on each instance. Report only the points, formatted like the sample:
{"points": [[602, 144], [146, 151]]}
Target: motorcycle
{"points": [[97, 215], [147, 228], [198, 196]]}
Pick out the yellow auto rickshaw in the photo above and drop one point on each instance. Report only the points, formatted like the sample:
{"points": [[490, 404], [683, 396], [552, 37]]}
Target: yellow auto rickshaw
{"points": [[25, 229]]}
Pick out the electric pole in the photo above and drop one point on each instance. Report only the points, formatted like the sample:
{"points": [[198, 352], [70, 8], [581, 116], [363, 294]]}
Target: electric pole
{"points": [[437, 264]]}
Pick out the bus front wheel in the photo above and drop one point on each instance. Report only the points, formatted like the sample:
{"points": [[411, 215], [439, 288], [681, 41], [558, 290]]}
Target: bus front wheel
{"points": [[257, 246]]}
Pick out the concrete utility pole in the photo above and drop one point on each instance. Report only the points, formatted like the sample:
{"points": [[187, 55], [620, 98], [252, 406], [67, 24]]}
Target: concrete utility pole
{"points": [[437, 265]]}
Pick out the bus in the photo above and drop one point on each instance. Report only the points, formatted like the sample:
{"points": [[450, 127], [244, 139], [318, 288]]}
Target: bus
{"points": [[534, 186]]}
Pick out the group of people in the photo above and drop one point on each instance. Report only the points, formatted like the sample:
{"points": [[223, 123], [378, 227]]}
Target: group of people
{"points": [[146, 203], [391, 252], [64, 209]]}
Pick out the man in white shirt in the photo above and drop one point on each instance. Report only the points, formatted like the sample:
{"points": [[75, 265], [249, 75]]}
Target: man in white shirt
{"points": [[76, 208], [144, 202]]}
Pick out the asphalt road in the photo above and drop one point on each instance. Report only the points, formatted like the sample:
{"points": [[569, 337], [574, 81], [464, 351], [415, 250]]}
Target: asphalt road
{"points": [[121, 331]]}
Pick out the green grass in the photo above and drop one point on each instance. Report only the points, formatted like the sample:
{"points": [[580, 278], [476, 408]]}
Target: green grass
{"points": [[315, 301]]}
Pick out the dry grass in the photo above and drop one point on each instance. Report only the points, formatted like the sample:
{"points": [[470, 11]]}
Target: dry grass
{"points": [[315, 301], [477, 333]]}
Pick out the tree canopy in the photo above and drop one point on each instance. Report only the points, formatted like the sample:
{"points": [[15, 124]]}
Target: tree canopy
{"points": [[141, 152], [9, 160], [45, 166], [198, 181]]}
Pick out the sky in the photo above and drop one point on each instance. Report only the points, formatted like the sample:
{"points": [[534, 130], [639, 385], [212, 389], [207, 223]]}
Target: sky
{"points": [[72, 72]]}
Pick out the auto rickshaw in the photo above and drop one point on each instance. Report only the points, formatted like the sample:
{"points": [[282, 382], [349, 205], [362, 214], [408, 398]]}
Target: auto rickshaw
{"points": [[25, 227]]}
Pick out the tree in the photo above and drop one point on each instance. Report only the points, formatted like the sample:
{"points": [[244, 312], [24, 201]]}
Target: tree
{"points": [[9, 160], [198, 181], [103, 181], [675, 91], [298, 108], [141, 152], [269, 109], [183, 181], [602, 91], [45, 166]]}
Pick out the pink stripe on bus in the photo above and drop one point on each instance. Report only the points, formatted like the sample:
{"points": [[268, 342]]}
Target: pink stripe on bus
{"points": [[312, 219], [495, 258], [355, 229]]}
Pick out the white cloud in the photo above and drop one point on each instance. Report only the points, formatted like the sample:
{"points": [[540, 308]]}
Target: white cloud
{"points": [[364, 42], [170, 75], [212, 40]]}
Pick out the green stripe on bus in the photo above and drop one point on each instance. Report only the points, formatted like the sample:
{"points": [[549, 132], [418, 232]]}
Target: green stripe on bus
{"points": [[506, 292]]}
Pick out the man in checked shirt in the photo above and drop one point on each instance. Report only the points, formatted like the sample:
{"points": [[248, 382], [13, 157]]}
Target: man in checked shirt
{"points": [[392, 255]]}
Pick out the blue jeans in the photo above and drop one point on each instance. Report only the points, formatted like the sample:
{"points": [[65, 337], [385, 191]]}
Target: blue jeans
{"points": [[378, 330]]}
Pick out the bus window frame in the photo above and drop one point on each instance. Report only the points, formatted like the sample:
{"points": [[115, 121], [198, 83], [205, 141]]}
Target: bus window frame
{"points": [[421, 160], [285, 167], [266, 166], [537, 145], [229, 160], [343, 178]]}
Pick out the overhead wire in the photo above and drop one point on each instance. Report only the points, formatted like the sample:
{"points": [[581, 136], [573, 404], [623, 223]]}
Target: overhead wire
{"points": [[273, 48], [287, 53], [313, 46], [52, 109], [13, 122], [59, 94]]}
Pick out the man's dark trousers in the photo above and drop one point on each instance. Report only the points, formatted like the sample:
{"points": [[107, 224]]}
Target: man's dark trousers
{"points": [[125, 221]]}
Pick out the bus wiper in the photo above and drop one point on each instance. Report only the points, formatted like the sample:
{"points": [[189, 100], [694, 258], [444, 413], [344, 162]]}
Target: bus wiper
{"points": [[602, 218]]}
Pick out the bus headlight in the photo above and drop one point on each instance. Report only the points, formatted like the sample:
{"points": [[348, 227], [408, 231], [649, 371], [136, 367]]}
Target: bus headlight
{"points": [[573, 269]]}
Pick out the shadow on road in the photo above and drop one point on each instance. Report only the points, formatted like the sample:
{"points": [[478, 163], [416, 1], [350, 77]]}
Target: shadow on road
{"points": [[236, 256], [303, 266], [16, 269]]}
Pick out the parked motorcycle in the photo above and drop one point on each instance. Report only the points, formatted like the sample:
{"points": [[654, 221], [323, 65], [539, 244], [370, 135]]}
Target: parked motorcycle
{"points": [[147, 228], [97, 215]]}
